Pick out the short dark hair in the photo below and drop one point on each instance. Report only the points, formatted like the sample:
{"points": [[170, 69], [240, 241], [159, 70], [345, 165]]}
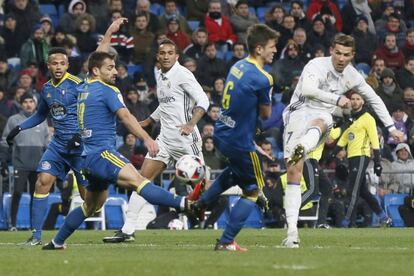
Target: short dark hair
{"points": [[168, 42], [410, 58], [96, 59], [344, 40], [56, 50], [259, 34], [238, 43], [242, 2]]}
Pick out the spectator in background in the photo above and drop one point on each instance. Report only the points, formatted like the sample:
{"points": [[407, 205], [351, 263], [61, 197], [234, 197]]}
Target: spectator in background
{"points": [[388, 89], [196, 49], [27, 15], [180, 38], [145, 94], [150, 61], [210, 67], [7, 76], [142, 38], [300, 38], [320, 34], [191, 65], [239, 52], [171, 11], [59, 37], [86, 38], [116, 5], [242, 19], [17, 94], [121, 41], [401, 122], [67, 22], [217, 92], [129, 150], [143, 6], [405, 76], [274, 17], [25, 81], [211, 117], [10, 36], [390, 53], [408, 99], [365, 42], [135, 106], [218, 26], [328, 10], [378, 64], [393, 26], [35, 49], [283, 70], [196, 9], [5, 104], [99, 10], [123, 81], [211, 157], [352, 12], [47, 26], [286, 33], [408, 48], [296, 10], [207, 130], [27, 149], [75, 60], [402, 182]]}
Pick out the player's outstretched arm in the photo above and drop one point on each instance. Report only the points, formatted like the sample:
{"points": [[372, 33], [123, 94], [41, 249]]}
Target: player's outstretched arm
{"points": [[131, 123], [38, 117], [113, 28], [187, 129]]}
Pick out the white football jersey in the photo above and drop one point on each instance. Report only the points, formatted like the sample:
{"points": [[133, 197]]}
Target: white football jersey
{"points": [[324, 86], [178, 93]]}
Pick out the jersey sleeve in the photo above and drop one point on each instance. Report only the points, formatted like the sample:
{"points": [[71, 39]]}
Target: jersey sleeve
{"points": [[38, 117], [343, 141], [114, 100], [156, 116], [191, 86], [265, 91], [371, 129]]}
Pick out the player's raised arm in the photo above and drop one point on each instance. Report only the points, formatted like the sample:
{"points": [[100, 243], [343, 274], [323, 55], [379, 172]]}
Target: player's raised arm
{"points": [[113, 28], [135, 128]]}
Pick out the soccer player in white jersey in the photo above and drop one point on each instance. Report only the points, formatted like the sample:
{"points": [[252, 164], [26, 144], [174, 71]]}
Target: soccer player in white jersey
{"points": [[182, 103], [308, 119]]}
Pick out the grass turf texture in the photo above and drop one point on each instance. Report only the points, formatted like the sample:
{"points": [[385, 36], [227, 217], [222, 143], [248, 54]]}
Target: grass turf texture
{"points": [[323, 252]]}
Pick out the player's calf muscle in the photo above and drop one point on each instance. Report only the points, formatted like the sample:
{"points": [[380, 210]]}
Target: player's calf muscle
{"points": [[44, 183]]}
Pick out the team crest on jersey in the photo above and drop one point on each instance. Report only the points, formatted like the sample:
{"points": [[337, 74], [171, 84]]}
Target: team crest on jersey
{"points": [[58, 111], [46, 165], [351, 136]]}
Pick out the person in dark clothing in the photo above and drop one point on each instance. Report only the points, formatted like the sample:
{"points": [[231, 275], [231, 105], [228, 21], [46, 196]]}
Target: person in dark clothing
{"points": [[7, 77], [143, 6], [210, 67], [405, 76], [321, 33], [35, 49], [408, 48], [123, 79], [131, 151], [86, 39], [239, 52], [365, 42], [135, 106], [5, 104], [10, 36], [196, 49], [388, 90]]}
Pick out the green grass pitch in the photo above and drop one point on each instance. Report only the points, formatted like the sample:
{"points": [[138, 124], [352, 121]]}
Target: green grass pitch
{"points": [[323, 252]]}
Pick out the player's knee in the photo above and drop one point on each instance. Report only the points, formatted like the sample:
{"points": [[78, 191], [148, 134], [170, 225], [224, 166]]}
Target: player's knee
{"points": [[43, 185], [251, 195]]}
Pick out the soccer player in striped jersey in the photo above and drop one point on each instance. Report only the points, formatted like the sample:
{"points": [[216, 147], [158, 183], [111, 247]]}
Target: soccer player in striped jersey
{"points": [[182, 103]]}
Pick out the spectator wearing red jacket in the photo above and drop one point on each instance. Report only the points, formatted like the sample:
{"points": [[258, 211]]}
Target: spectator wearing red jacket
{"points": [[174, 33], [390, 53], [218, 26], [325, 8]]}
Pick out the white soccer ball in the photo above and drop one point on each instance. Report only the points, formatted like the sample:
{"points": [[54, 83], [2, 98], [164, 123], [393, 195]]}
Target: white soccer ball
{"points": [[190, 168]]}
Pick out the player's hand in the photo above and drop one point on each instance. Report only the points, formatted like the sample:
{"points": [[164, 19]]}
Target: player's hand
{"points": [[145, 123], [116, 25], [186, 129], [397, 135], [152, 147], [377, 169], [74, 142], [265, 154], [13, 133], [344, 102]]}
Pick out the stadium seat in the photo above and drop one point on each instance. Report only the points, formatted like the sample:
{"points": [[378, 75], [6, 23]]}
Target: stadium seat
{"points": [[50, 10], [115, 210], [166, 184], [193, 24], [228, 55], [411, 22], [391, 204], [157, 9], [5, 211], [111, 190], [341, 3], [363, 68], [132, 69], [183, 10], [23, 213], [61, 10], [260, 13], [252, 10]]}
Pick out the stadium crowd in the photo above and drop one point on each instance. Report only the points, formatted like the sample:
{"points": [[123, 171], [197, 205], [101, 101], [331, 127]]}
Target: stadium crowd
{"points": [[210, 35]]}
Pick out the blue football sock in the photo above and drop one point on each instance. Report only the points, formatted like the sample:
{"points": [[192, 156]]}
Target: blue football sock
{"points": [[382, 215], [39, 207], [220, 184], [238, 216], [158, 196], [72, 222]]}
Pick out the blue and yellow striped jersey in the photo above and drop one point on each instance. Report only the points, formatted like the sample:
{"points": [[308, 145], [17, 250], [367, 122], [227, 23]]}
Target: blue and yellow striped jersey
{"points": [[98, 103], [247, 86]]}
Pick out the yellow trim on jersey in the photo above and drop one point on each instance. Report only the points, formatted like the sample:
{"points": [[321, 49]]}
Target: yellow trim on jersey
{"points": [[113, 159], [142, 185], [36, 195], [251, 198], [268, 76], [74, 78], [110, 86], [65, 77], [257, 169]]}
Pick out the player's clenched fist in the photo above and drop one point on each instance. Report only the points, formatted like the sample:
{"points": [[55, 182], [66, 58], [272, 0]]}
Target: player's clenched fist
{"points": [[344, 102]]}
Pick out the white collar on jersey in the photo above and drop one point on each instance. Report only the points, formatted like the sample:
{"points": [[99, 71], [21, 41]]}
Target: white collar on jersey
{"points": [[164, 76]]}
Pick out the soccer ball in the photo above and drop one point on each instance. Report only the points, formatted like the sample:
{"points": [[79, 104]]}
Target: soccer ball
{"points": [[190, 168]]}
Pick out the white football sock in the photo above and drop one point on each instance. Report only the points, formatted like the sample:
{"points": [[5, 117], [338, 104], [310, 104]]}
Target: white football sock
{"points": [[311, 138], [292, 202], [135, 204]]}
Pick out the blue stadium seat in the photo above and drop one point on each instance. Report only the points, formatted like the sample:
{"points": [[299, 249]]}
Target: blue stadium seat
{"points": [[183, 10], [260, 13], [391, 204], [363, 68], [193, 24], [411, 22], [132, 69], [6, 207], [114, 212], [341, 3], [228, 55], [50, 10], [166, 183], [61, 10], [157, 9], [23, 213], [111, 190], [55, 198]]}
